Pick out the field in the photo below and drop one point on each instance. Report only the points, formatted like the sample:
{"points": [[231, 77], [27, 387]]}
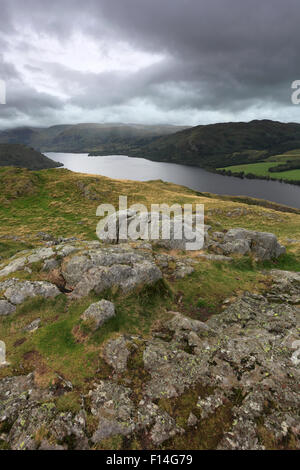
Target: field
{"points": [[261, 169]]}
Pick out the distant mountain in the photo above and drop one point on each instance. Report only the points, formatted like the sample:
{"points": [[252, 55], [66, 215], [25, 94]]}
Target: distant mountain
{"points": [[219, 145], [22, 156], [87, 137]]}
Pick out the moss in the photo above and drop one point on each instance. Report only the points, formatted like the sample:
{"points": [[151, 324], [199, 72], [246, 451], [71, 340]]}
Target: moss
{"points": [[207, 434], [69, 402], [114, 442]]}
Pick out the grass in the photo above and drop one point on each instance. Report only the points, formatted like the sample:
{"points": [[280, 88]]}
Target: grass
{"points": [[262, 170]]}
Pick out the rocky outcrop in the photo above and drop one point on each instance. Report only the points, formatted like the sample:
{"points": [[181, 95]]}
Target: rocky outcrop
{"points": [[261, 245]]}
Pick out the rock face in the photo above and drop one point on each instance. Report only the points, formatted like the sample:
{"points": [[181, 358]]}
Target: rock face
{"points": [[262, 245], [98, 313]]}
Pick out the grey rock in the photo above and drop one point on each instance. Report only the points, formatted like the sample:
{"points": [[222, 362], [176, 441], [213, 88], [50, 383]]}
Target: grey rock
{"points": [[192, 420], [21, 290], [99, 269], [263, 245], [2, 353], [165, 428], [99, 313], [50, 264], [6, 308], [33, 326], [13, 266], [116, 353], [40, 254]]}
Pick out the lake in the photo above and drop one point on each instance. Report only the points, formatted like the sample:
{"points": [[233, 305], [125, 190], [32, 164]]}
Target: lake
{"points": [[140, 169]]}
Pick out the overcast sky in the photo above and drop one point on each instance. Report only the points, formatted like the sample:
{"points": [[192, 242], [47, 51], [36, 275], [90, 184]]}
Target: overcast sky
{"points": [[148, 61]]}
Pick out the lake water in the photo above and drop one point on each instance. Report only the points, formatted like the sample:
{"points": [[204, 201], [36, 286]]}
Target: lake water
{"points": [[140, 169]]}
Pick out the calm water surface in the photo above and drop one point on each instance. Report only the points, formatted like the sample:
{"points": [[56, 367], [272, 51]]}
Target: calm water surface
{"points": [[140, 169]]}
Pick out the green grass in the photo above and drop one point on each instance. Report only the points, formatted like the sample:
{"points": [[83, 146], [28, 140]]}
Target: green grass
{"points": [[262, 169]]}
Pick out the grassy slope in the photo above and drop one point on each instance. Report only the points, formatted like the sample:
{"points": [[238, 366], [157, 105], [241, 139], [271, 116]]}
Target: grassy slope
{"points": [[50, 200]]}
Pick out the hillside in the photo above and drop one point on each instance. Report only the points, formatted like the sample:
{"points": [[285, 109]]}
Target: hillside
{"points": [[136, 345], [109, 138], [220, 145], [25, 157]]}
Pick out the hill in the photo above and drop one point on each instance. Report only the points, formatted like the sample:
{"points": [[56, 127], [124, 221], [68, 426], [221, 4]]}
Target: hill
{"points": [[87, 137], [25, 157], [220, 145]]}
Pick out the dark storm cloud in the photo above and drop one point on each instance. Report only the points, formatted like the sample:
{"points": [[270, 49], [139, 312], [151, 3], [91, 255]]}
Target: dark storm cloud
{"points": [[222, 56]]}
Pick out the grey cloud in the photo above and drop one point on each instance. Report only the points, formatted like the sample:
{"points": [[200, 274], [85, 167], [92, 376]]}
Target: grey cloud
{"points": [[224, 56]]}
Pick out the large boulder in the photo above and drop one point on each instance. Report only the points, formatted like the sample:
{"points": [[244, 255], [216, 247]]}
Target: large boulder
{"points": [[263, 245], [117, 266]]}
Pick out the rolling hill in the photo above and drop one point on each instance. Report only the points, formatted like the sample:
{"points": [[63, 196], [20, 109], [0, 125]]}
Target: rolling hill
{"points": [[87, 137], [220, 145]]}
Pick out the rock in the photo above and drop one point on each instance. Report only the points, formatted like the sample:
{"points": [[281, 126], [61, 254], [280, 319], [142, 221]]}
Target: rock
{"points": [[183, 270], [116, 354], [208, 405], [50, 264], [14, 266], [99, 269], [263, 245], [21, 290], [181, 323], [40, 254], [172, 370], [112, 405], [192, 420], [2, 354], [6, 308], [165, 428], [33, 326], [117, 414], [66, 250], [238, 247], [98, 313]]}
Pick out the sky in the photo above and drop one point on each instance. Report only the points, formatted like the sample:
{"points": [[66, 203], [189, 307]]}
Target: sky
{"points": [[183, 62]]}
